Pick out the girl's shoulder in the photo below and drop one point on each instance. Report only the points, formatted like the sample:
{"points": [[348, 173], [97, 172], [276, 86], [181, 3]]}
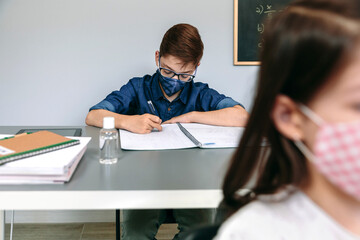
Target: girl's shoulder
{"points": [[293, 217], [256, 220]]}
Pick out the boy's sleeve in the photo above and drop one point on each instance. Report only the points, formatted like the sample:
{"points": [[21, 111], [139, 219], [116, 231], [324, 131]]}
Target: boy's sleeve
{"points": [[211, 100], [118, 101], [228, 102]]}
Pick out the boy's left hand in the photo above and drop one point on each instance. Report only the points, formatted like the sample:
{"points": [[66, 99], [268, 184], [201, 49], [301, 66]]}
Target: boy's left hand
{"points": [[185, 118]]}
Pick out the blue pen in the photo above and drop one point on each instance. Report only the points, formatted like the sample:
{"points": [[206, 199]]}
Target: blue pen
{"points": [[151, 106], [152, 109]]}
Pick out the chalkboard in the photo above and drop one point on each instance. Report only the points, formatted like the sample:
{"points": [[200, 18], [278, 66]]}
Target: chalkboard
{"points": [[249, 16]]}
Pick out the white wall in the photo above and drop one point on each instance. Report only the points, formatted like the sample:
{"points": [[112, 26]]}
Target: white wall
{"points": [[59, 57]]}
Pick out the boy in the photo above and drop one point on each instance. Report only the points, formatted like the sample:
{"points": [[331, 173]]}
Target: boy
{"points": [[168, 96]]}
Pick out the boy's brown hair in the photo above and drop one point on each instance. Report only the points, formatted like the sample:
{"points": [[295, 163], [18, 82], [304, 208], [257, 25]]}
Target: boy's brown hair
{"points": [[184, 42]]}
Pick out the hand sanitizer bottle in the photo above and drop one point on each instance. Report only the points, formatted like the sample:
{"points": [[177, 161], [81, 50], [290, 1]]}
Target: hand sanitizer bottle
{"points": [[109, 142]]}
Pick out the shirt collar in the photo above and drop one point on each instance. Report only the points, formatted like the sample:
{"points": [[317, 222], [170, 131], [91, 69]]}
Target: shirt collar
{"points": [[155, 87], [184, 95]]}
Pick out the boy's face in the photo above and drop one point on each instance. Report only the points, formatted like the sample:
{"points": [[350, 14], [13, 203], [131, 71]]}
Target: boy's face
{"points": [[175, 64]]}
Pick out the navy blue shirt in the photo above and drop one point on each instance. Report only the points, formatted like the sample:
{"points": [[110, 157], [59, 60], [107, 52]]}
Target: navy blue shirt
{"points": [[133, 97]]}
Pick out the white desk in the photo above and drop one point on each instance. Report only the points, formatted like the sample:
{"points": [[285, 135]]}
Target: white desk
{"points": [[189, 178]]}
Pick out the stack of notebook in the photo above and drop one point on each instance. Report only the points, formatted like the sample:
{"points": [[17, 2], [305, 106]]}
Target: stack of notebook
{"points": [[39, 158]]}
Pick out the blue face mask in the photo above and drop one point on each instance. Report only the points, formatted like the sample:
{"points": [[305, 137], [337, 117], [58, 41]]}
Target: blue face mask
{"points": [[170, 85]]}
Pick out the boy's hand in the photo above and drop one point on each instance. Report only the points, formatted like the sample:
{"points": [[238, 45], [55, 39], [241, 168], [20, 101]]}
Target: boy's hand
{"points": [[185, 118], [143, 123]]}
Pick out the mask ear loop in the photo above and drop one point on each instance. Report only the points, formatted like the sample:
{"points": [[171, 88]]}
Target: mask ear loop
{"points": [[310, 114], [318, 121], [305, 150]]}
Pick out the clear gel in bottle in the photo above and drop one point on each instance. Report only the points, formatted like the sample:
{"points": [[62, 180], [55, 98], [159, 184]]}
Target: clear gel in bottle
{"points": [[109, 142]]}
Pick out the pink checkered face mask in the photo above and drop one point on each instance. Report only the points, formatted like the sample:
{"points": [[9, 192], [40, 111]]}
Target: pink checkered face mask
{"points": [[336, 152]]}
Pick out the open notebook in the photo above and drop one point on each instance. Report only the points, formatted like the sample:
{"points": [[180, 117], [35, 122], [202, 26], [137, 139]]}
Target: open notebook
{"points": [[184, 135]]}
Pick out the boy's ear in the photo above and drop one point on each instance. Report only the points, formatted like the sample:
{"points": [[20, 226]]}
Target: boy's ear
{"points": [[157, 55], [287, 118]]}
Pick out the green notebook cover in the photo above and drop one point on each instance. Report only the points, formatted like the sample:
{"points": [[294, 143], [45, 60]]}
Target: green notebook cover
{"points": [[31, 144]]}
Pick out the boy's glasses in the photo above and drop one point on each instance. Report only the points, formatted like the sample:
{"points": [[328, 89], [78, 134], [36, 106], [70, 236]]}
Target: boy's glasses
{"points": [[181, 76], [171, 74]]}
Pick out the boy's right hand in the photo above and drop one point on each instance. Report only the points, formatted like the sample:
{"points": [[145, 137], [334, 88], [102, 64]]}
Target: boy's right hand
{"points": [[143, 123]]}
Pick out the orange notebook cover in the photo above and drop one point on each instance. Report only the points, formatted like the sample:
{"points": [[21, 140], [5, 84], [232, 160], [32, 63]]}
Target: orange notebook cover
{"points": [[30, 144]]}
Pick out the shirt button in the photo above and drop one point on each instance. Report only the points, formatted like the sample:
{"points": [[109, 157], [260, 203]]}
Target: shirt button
{"points": [[169, 109]]}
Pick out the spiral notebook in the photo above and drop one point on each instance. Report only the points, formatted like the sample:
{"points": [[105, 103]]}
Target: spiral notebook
{"points": [[31, 144]]}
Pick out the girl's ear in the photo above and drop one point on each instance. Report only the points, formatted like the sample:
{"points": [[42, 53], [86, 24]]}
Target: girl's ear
{"points": [[287, 118]]}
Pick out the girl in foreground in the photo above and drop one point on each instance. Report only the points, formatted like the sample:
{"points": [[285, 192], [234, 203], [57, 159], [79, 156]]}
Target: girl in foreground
{"points": [[308, 108]]}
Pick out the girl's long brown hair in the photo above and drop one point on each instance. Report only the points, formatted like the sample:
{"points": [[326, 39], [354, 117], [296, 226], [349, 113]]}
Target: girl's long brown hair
{"points": [[304, 45]]}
